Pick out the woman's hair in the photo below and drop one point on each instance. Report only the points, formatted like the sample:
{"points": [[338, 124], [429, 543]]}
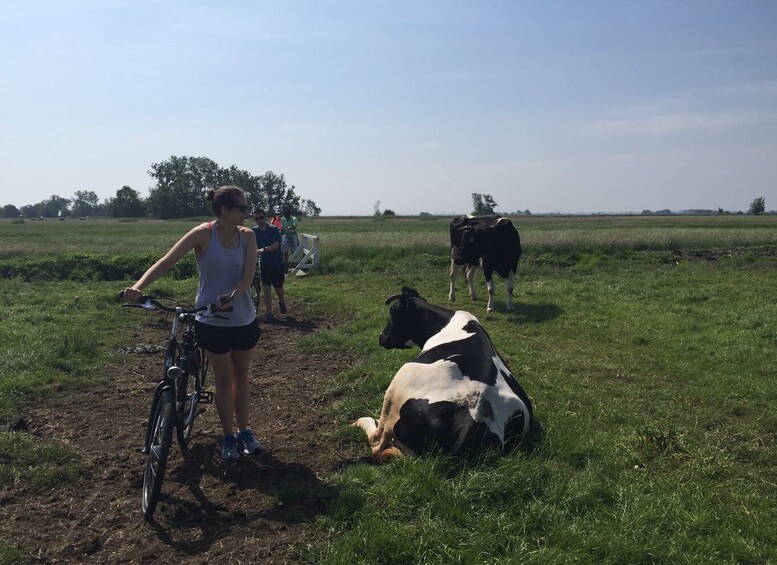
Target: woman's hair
{"points": [[223, 196]]}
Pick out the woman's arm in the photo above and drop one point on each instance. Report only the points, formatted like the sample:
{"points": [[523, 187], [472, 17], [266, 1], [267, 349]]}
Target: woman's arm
{"points": [[249, 262], [194, 238]]}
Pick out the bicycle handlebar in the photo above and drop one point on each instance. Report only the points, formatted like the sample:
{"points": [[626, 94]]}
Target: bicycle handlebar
{"points": [[150, 303]]}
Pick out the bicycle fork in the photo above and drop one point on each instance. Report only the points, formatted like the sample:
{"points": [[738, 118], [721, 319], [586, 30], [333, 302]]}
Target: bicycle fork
{"points": [[158, 394]]}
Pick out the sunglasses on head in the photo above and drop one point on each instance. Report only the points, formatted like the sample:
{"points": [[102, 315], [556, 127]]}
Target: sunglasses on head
{"points": [[242, 207]]}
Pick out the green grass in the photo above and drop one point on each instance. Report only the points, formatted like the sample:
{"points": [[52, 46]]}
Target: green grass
{"points": [[651, 369], [58, 335], [27, 459], [10, 555], [653, 382], [345, 235]]}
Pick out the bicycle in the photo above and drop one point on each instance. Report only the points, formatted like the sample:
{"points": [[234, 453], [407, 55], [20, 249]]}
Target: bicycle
{"points": [[176, 396], [256, 284]]}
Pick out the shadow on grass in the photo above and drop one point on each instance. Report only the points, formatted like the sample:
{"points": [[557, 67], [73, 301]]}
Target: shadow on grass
{"points": [[534, 313], [285, 493]]}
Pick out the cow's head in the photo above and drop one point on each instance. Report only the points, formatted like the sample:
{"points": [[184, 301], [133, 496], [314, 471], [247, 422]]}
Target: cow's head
{"points": [[403, 325], [471, 248]]}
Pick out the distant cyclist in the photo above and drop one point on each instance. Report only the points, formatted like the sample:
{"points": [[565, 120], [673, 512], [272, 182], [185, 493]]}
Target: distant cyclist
{"points": [[225, 251], [268, 243], [276, 219], [290, 240]]}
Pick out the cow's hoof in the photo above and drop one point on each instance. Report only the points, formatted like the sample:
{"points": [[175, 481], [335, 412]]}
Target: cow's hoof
{"points": [[385, 455], [363, 422]]}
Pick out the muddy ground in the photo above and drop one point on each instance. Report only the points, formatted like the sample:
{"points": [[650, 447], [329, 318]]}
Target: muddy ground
{"points": [[253, 510]]}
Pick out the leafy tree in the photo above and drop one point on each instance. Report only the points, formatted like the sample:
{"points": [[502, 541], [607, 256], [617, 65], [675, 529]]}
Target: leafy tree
{"points": [[483, 204], [31, 210], [181, 186], [126, 204], [85, 202], [182, 182], [388, 212], [309, 208], [290, 200], [55, 206], [11, 211], [758, 206], [251, 184]]}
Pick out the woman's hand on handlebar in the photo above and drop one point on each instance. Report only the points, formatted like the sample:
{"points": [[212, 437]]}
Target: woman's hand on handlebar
{"points": [[132, 295], [225, 299]]}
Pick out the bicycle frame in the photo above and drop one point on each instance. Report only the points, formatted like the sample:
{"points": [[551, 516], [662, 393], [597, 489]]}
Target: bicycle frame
{"points": [[183, 360]]}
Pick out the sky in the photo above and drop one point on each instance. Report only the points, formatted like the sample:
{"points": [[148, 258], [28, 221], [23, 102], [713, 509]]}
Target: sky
{"points": [[570, 107]]}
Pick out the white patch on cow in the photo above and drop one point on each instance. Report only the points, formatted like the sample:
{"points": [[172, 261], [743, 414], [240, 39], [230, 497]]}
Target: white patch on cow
{"points": [[453, 331], [509, 402], [491, 286], [443, 381]]}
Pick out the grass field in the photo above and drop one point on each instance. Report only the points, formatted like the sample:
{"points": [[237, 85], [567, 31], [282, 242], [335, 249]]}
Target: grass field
{"points": [[647, 344]]}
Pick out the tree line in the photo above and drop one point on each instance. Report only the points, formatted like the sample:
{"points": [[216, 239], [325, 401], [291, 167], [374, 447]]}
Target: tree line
{"points": [[179, 192]]}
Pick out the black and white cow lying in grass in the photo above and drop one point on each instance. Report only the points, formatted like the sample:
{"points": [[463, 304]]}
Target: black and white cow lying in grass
{"points": [[457, 396]]}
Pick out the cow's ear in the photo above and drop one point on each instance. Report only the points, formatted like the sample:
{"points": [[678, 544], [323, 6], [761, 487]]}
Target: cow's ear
{"points": [[409, 291]]}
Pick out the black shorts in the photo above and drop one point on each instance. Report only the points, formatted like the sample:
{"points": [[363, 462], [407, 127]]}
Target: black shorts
{"points": [[273, 275], [223, 339]]}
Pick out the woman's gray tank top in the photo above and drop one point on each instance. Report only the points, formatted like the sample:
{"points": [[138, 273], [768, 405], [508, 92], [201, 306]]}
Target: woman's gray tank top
{"points": [[220, 270]]}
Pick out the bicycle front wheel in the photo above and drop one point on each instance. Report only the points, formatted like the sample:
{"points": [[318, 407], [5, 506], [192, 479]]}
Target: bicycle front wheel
{"points": [[189, 386], [162, 422]]}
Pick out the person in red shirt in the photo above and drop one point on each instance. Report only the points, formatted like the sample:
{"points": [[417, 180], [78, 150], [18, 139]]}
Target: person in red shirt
{"points": [[276, 220]]}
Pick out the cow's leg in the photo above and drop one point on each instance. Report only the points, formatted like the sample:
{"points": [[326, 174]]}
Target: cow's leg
{"points": [[453, 273], [375, 436], [491, 287], [470, 276], [510, 278]]}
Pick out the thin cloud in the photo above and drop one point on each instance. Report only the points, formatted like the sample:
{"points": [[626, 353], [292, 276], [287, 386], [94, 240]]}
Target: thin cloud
{"points": [[293, 128], [429, 146], [671, 124]]}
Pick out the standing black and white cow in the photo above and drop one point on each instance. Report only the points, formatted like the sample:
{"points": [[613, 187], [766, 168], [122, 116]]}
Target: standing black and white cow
{"points": [[457, 395], [489, 241]]}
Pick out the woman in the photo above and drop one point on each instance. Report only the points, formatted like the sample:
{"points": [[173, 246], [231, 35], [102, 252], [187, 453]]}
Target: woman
{"points": [[226, 261]]}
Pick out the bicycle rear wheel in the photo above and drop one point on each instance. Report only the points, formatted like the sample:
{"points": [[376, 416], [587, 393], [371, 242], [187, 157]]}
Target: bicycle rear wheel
{"points": [[204, 366], [162, 420], [256, 292], [256, 285]]}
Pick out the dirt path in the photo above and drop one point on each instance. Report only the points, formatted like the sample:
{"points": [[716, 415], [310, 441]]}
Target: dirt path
{"points": [[253, 510]]}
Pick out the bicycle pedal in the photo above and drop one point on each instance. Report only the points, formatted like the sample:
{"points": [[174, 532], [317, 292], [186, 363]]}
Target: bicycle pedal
{"points": [[206, 397]]}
